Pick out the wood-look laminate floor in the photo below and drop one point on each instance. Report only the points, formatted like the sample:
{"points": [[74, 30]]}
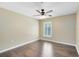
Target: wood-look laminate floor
{"points": [[42, 49]]}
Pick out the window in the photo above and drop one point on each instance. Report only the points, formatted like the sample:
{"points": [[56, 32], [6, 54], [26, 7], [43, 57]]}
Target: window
{"points": [[47, 29]]}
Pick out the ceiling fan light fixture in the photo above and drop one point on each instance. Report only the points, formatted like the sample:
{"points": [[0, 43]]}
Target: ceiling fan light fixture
{"points": [[42, 17]]}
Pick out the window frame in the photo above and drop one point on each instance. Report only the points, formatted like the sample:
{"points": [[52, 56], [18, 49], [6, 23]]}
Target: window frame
{"points": [[44, 24]]}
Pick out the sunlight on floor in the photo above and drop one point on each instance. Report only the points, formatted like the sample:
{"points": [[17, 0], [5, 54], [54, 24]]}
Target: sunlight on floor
{"points": [[47, 50]]}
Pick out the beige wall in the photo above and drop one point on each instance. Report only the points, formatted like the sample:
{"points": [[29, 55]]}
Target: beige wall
{"points": [[77, 32], [16, 29], [64, 28]]}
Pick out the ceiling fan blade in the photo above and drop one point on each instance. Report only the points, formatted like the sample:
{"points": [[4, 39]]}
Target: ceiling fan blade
{"points": [[38, 11], [50, 15], [49, 11]]}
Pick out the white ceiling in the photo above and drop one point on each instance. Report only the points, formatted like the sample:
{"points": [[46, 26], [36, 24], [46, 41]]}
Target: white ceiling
{"points": [[29, 8]]}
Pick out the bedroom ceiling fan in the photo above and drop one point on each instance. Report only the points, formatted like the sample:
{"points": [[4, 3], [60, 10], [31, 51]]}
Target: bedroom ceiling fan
{"points": [[43, 13]]}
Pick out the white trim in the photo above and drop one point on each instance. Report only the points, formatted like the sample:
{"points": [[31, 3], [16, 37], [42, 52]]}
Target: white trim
{"points": [[77, 49], [17, 46], [59, 42], [65, 43]]}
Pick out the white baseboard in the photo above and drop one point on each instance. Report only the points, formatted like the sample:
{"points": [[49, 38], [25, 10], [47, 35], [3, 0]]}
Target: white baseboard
{"points": [[17, 46], [77, 49], [59, 42], [65, 43]]}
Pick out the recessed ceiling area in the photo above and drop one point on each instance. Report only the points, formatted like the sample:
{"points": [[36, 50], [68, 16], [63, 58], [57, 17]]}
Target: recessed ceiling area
{"points": [[29, 8]]}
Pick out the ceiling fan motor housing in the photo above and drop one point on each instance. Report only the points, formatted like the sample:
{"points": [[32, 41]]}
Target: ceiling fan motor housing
{"points": [[42, 13]]}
